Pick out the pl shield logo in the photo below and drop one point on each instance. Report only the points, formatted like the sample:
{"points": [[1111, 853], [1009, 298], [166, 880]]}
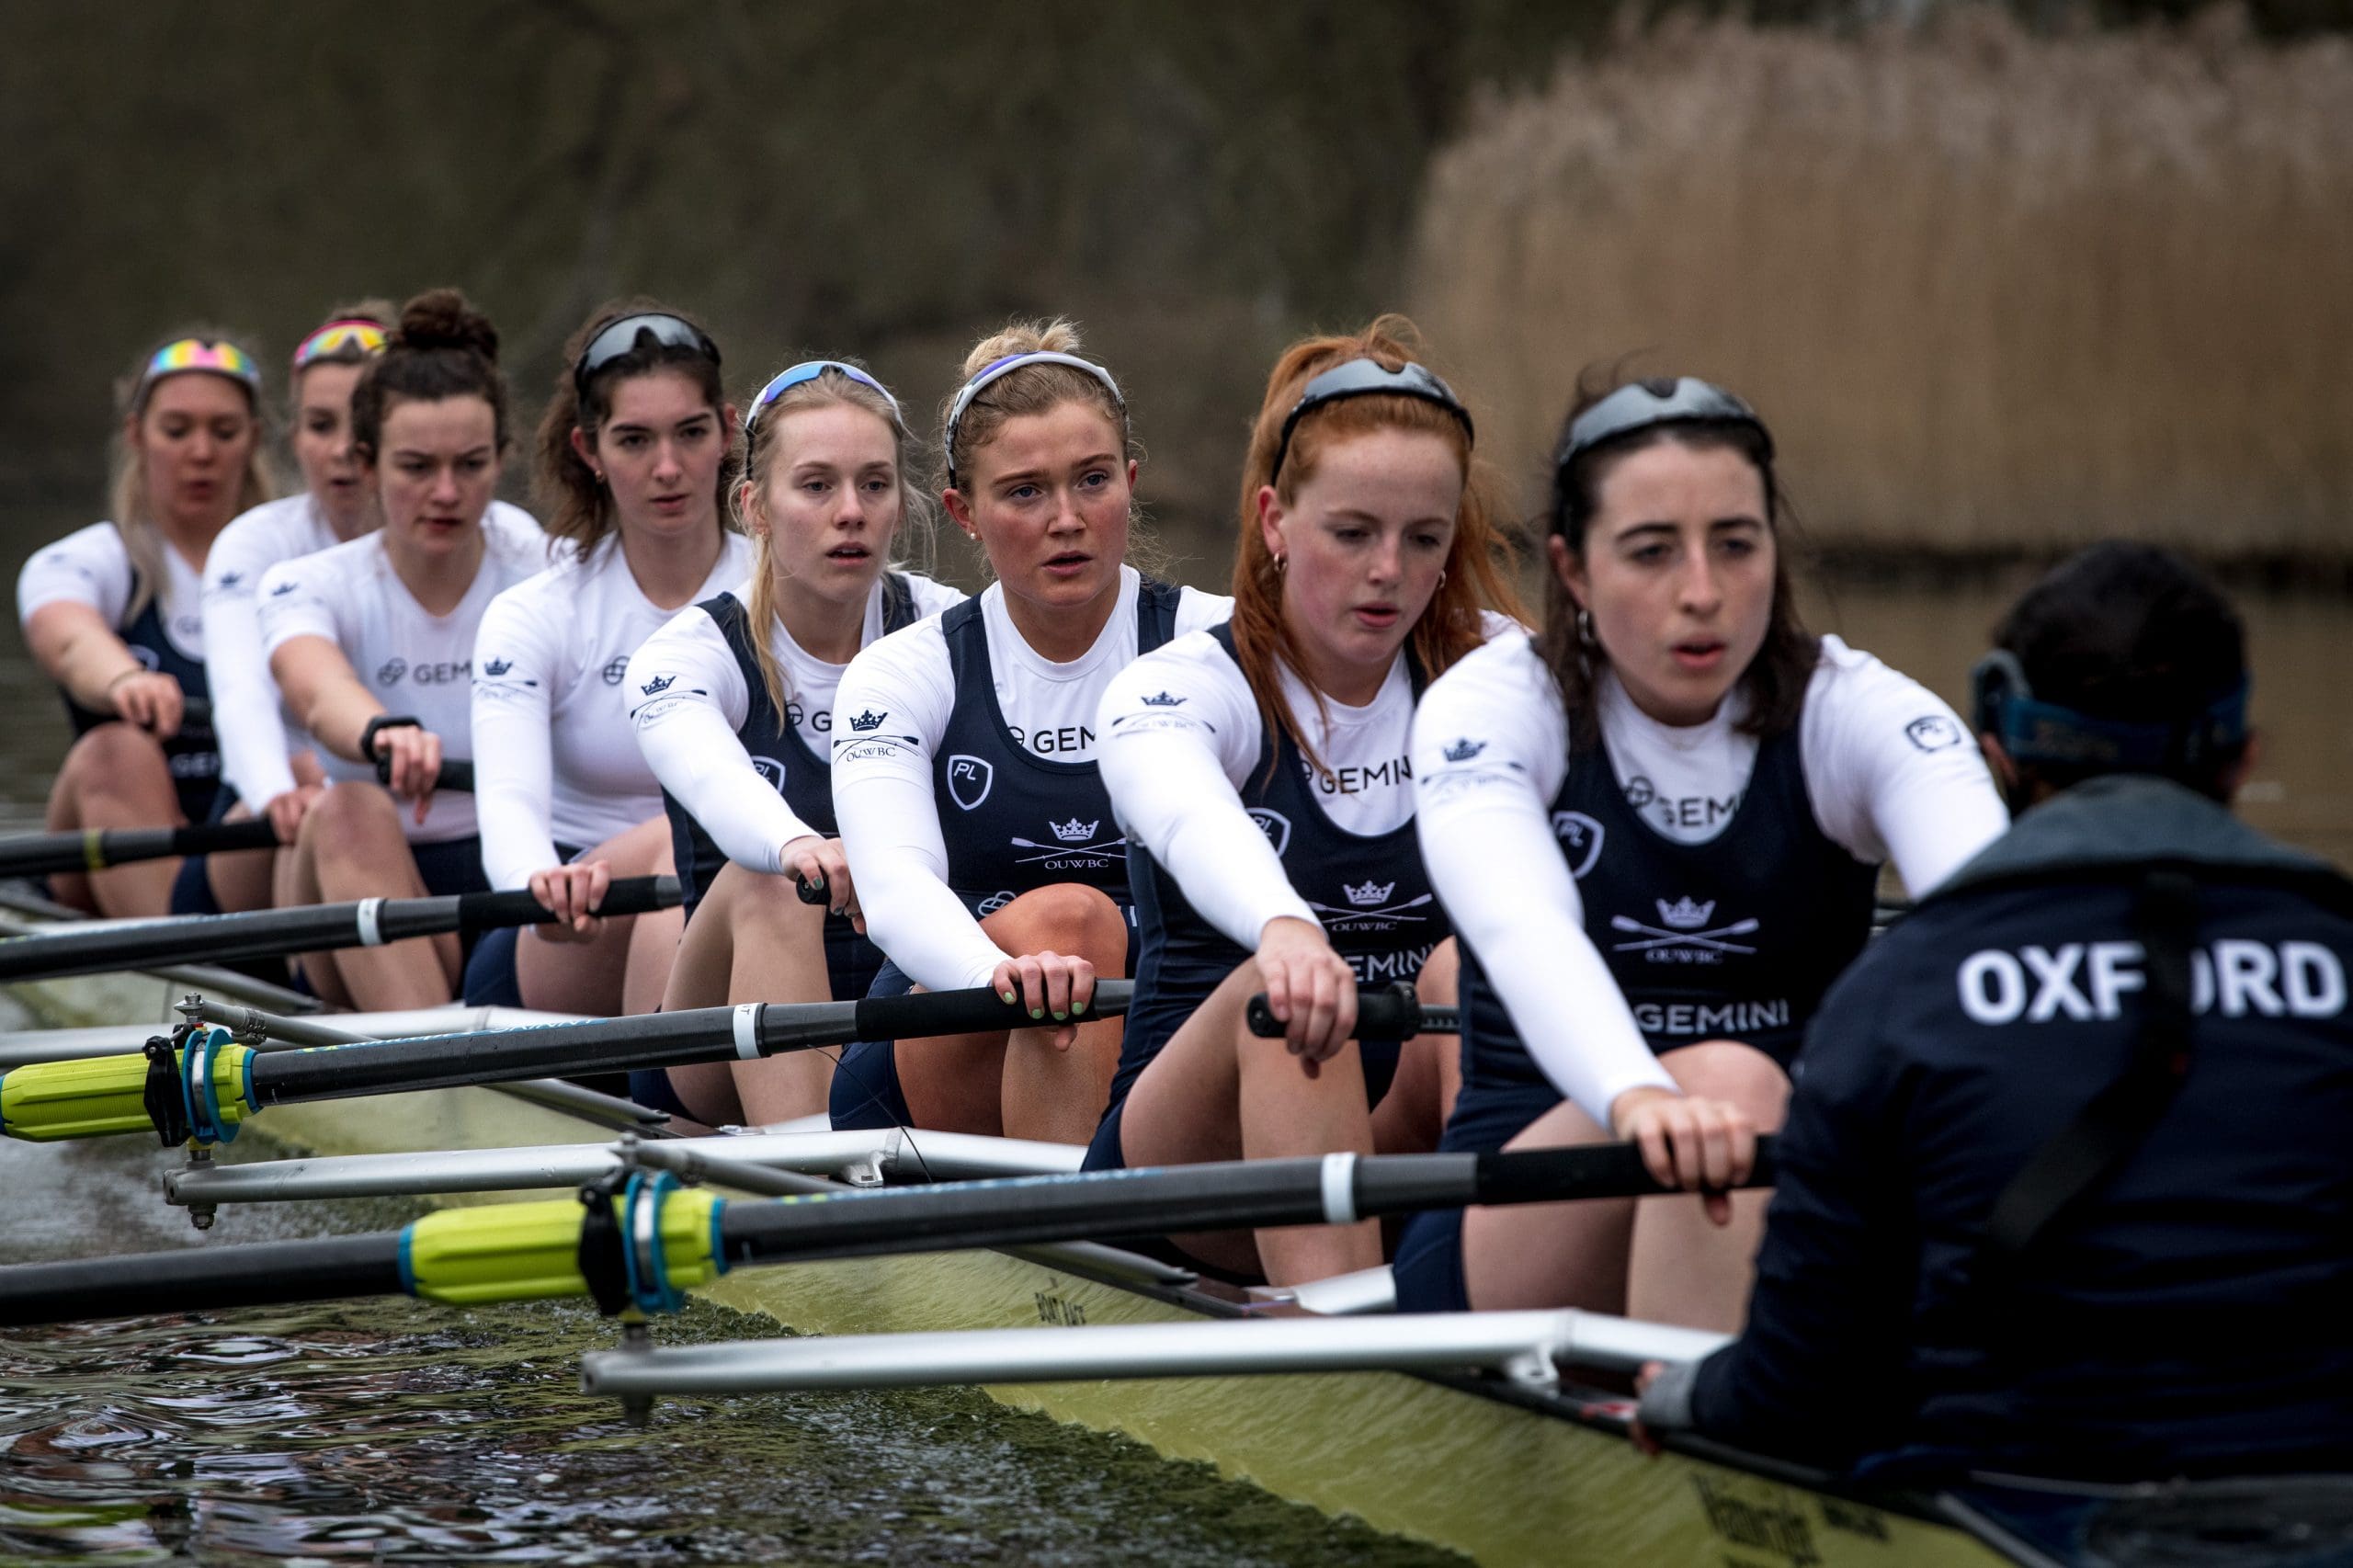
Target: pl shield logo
{"points": [[770, 770], [1580, 839], [1275, 825], [968, 779]]}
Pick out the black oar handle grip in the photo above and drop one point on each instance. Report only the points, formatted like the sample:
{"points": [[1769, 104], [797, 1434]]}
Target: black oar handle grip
{"points": [[924, 1012], [456, 774], [629, 895], [1594, 1170], [1389, 1012], [812, 892]]}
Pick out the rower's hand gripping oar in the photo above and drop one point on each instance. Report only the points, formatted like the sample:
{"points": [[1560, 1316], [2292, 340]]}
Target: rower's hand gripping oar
{"points": [[1387, 1012], [98, 948], [221, 1083], [456, 774], [654, 1238], [95, 849]]}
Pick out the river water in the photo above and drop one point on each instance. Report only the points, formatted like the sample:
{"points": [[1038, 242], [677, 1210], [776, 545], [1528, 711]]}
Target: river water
{"points": [[402, 1432]]}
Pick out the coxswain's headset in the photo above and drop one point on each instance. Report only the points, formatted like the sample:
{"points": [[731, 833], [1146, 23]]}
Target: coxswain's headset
{"points": [[2035, 731]]}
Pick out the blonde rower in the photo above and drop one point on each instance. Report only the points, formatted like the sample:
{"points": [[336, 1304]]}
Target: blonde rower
{"points": [[734, 706], [964, 776]]}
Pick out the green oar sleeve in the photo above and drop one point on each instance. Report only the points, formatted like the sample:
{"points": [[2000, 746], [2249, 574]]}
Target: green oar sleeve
{"points": [[50, 1102], [512, 1252]]}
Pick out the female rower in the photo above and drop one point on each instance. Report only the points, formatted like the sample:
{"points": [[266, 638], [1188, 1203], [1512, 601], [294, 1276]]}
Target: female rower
{"points": [[267, 768], [370, 643], [633, 470], [1261, 767], [1657, 829], [975, 825], [735, 723], [111, 613]]}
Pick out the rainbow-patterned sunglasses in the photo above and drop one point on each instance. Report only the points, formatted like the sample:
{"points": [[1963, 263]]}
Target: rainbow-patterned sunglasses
{"points": [[340, 337], [221, 357]]}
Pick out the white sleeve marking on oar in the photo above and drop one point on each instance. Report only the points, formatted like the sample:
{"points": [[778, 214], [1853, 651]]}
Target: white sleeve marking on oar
{"points": [[372, 934], [747, 1030], [1340, 1190]]}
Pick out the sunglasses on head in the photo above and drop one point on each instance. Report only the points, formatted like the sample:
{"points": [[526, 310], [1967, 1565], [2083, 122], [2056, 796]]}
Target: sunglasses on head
{"points": [[802, 374], [621, 338], [1368, 377]]}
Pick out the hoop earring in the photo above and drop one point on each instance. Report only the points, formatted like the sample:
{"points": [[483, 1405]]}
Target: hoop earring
{"points": [[1282, 563], [1585, 637], [1441, 579]]}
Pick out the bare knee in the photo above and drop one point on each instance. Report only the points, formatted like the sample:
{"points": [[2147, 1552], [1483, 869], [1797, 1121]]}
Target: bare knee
{"points": [[111, 753], [1064, 918], [1736, 1074], [348, 812]]}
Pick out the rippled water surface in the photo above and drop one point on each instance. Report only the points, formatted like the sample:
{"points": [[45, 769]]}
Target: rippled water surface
{"points": [[402, 1432]]}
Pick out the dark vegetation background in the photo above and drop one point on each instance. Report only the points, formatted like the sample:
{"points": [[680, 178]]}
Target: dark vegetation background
{"points": [[1945, 249]]}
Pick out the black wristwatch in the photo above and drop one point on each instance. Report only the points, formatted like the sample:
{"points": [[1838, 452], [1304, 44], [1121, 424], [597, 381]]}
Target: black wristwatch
{"points": [[383, 722]]}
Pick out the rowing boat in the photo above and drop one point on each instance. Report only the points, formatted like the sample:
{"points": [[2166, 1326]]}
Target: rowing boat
{"points": [[1500, 1470]]}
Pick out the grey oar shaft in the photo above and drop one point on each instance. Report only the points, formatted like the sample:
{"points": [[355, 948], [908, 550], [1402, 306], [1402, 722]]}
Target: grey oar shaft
{"points": [[1525, 1345]]}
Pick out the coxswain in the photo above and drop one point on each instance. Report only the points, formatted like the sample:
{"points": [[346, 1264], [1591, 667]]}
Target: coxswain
{"points": [[2064, 1189], [370, 643], [1658, 829], [113, 612], [975, 823], [734, 704], [1259, 770], [634, 472]]}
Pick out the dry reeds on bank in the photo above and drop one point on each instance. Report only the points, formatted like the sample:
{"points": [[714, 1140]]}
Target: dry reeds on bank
{"points": [[1996, 292]]}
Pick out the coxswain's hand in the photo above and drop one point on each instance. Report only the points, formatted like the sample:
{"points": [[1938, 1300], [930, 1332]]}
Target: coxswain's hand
{"points": [[416, 763], [1700, 1145], [148, 699], [1054, 987], [572, 894], [1309, 987], [819, 861], [286, 811]]}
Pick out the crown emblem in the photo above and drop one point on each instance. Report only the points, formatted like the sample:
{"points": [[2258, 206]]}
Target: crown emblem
{"points": [[657, 685], [230, 579], [1684, 914], [1075, 831], [1464, 750], [285, 587], [494, 668], [869, 720], [1162, 699], [1368, 894]]}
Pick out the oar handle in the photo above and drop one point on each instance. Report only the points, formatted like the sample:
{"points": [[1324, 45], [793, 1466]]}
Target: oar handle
{"points": [[456, 774], [94, 849], [1383, 1013], [516, 906], [812, 892]]}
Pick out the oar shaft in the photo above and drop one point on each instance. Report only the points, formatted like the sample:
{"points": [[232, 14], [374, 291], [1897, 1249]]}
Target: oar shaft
{"points": [[1237, 1195], [201, 1279], [658, 1040], [316, 928], [95, 849]]}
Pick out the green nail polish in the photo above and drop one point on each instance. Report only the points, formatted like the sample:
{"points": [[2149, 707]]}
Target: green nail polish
{"points": [[1077, 1008], [1037, 1012], [1059, 1016], [1007, 994]]}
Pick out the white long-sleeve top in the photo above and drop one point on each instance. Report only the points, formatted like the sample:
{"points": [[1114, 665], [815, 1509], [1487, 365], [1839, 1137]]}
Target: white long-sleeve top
{"points": [[554, 757], [882, 794], [1890, 769], [1177, 770], [414, 662], [693, 698], [257, 735]]}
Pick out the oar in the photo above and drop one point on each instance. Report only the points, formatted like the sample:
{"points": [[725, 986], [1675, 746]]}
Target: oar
{"points": [[95, 849], [97, 947], [648, 1242], [207, 1089], [456, 774]]}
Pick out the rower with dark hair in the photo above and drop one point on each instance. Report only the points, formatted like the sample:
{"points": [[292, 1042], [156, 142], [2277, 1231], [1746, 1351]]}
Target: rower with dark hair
{"points": [[2065, 1188], [1657, 829]]}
